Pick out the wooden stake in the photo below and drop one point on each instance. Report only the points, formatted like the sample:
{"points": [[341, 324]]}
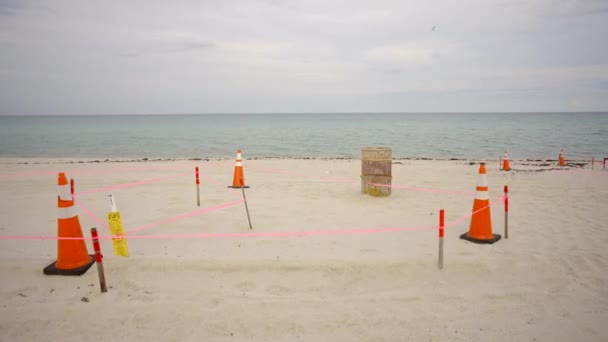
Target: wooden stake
{"points": [[198, 196], [245, 201], [98, 256]]}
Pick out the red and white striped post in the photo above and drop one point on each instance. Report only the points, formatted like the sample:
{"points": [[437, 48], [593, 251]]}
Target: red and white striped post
{"points": [[506, 212], [441, 234], [98, 256], [198, 191], [72, 186]]}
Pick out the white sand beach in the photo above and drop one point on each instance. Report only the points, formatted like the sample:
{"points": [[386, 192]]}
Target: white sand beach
{"points": [[320, 263]]}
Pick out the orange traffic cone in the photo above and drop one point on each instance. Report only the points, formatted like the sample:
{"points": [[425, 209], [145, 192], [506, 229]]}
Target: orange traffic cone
{"points": [[238, 181], [505, 162], [480, 230], [562, 160], [72, 255]]}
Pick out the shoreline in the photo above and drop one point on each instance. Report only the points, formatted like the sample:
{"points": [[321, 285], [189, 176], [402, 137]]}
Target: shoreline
{"points": [[93, 160]]}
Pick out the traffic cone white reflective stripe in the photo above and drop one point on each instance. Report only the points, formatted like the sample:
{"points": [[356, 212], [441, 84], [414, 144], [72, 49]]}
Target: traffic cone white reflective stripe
{"points": [[65, 212], [239, 159], [64, 192], [65, 202], [482, 193]]}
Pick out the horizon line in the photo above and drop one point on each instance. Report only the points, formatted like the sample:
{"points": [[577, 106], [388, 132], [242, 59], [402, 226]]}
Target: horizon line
{"points": [[308, 113]]}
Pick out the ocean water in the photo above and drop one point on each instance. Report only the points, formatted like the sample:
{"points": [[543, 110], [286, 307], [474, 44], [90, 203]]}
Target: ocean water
{"points": [[424, 135]]}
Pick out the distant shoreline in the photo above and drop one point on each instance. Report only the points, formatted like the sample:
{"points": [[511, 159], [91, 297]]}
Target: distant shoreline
{"points": [[78, 160], [304, 113]]}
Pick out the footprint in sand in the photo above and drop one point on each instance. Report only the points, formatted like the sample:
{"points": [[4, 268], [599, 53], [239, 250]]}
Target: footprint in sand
{"points": [[246, 286], [277, 290]]}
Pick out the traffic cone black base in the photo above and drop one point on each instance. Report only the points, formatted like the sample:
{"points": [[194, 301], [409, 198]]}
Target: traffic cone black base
{"points": [[53, 270], [495, 237]]}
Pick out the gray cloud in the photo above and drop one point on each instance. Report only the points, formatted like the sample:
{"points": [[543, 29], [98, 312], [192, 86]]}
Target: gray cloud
{"points": [[10, 7], [168, 42], [302, 56]]}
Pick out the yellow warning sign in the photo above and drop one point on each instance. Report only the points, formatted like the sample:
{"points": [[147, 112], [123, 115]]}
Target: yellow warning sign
{"points": [[117, 230]]}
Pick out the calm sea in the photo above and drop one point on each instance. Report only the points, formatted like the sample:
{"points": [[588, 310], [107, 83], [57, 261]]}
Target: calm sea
{"points": [[425, 135]]}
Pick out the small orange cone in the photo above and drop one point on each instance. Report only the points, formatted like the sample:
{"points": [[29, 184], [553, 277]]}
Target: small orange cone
{"points": [[480, 230], [505, 162], [72, 255], [238, 181], [562, 160]]}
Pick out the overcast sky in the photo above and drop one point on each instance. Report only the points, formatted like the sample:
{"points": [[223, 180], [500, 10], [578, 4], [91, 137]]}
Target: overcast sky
{"points": [[112, 57]]}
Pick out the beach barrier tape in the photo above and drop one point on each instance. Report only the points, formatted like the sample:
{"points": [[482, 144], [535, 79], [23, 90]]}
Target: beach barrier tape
{"points": [[227, 235], [101, 223], [232, 191], [278, 234], [132, 184], [148, 181], [350, 181], [247, 234], [436, 191], [89, 213], [496, 201], [229, 204], [235, 193], [85, 172], [187, 215]]}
